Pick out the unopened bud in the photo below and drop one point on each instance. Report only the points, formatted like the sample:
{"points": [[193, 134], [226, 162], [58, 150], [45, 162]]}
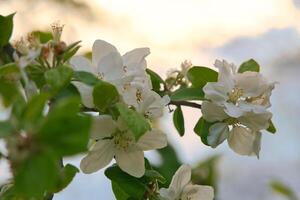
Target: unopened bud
{"points": [[60, 48]]}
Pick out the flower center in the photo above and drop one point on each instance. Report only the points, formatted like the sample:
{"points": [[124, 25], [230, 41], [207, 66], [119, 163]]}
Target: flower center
{"points": [[122, 140], [235, 94], [232, 121]]}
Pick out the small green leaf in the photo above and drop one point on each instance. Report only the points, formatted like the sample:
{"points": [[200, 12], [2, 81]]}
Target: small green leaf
{"points": [[105, 95], [249, 65], [36, 73], [6, 128], [34, 111], [65, 131], [199, 76], [154, 176], [282, 189], [9, 93], [187, 94], [10, 72], [202, 129], [37, 174], [135, 121], [68, 173], [178, 120], [58, 78], [156, 80], [271, 127], [43, 36], [6, 27], [129, 184], [70, 53], [119, 192], [85, 77]]}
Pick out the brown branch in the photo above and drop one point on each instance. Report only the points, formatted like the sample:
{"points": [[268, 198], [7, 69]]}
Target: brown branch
{"points": [[185, 103]]}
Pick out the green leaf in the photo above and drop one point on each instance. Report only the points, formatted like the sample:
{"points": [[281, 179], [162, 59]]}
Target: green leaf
{"points": [[105, 95], [282, 189], [178, 120], [187, 94], [153, 175], [58, 78], [44, 36], [156, 80], [36, 73], [68, 173], [86, 77], [271, 128], [37, 174], [9, 93], [199, 76], [249, 65], [129, 184], [34, 111], [6, 27], [70, 53], [119, 192], [65, 131], [202, 129], [6, 128], [135, 121], [10, 72]]}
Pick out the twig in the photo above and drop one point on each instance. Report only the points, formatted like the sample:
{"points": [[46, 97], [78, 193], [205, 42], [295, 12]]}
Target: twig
{"points": [[185, 103]]}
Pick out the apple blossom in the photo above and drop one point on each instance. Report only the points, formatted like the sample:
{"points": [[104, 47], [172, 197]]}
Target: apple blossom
{"points": [[181, 187], [114, 140]]}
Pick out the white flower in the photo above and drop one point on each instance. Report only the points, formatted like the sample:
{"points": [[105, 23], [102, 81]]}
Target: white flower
{"points": [[114, 140], [126, 72], [238, 106], [181, 187]]}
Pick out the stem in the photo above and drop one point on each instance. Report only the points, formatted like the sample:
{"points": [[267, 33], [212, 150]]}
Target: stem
{"points": [[185, 103]]}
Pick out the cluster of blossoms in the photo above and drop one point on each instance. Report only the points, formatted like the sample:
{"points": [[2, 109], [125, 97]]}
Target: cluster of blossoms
{"points": [[113, 139], [32, 51], [238, 105]]}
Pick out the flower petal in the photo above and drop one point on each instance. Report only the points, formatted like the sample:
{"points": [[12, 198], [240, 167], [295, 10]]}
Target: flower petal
{"points": [[100, 156], [153, 139], [135, 60], [131, 161], [252, 83], [244, 141], [218, 132], [101, 49], [180, 179], [216, 92], [255, 117], [212, 112], [198, 192], [110, 67], [103, 126], [233, 110], [86, 94], [80, 63], [226, 74]]}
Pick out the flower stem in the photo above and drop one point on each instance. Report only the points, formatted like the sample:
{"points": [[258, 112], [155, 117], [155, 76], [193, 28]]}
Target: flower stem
{"points": [[185, 103]]}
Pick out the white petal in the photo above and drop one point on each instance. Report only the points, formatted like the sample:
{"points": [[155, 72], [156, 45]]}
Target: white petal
{"points": [[153, 139], [216, 92], [218, 132], [167, 194], [101, 49], [198, 192], [180, 179], [233, 110], [86, 94], [226, 73], [135, 60], [252, 83], [212, 112], [80, 63], [110, 67], [244, 141], [100, 156], [131, 162], [103, 126], [256, 117]]}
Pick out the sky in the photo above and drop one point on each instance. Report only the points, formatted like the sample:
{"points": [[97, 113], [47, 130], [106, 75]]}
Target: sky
{"points": [[200, 31]]}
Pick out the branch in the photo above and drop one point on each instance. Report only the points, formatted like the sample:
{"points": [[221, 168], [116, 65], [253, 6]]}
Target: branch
{"points": [[185, 103]]}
